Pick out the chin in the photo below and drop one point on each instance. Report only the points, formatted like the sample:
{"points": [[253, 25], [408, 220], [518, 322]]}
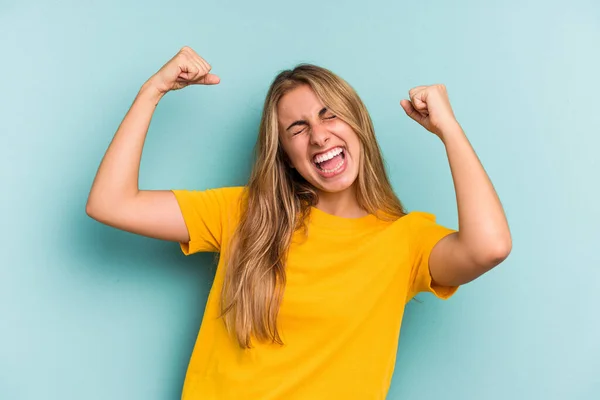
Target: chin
{"points": [[335, 187], [343, 183]]}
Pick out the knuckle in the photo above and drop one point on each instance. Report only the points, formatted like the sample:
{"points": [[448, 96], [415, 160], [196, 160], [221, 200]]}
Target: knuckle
{"points": [[182, 57]]}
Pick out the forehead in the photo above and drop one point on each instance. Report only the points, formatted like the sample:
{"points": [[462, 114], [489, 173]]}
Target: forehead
{"points": [[300, 102]]}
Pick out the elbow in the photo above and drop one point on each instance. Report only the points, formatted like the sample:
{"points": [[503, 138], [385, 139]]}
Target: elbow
{"points": [[502, 247], [92, 210], [89, 210], [494, 253]]}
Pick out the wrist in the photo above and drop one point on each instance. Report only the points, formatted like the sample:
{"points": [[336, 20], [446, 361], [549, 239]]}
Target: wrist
{"points": [[150, 90], [450, 130]]}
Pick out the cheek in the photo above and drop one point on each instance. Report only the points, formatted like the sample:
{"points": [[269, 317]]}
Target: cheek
{"points": [[352, 140], [346, 131], [356, 150], [295, 152]]}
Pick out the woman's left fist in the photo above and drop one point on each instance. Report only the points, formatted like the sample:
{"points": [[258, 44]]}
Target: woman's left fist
{"points": [[430, 107]]}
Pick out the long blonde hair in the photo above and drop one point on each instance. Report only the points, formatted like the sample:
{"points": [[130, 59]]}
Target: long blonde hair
{"points": [[277, 201]]}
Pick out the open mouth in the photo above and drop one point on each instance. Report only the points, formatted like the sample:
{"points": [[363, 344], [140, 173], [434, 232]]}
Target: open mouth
{"points": [[331, 162]]}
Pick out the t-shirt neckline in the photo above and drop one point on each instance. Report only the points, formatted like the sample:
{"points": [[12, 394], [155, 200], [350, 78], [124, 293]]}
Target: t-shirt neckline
{"points": [[321, 218]]}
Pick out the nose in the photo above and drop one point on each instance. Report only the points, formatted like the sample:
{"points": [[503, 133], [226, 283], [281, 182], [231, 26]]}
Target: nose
{"points": [[319, 135]]}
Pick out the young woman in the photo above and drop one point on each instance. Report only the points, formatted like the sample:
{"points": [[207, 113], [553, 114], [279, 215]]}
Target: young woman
{"points": [[317, 255]]}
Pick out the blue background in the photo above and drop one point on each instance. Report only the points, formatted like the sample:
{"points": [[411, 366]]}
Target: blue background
{"points": [[89, 312]]}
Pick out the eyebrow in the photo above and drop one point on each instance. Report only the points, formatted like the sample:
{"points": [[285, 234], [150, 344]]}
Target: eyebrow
{"points": [[304, 122]]}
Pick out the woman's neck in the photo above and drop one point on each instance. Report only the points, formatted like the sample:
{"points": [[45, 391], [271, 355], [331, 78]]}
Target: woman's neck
{"points": [[341, 204]]}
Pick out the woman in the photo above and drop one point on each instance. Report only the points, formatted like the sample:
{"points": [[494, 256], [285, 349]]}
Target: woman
{"points": [[317, 255]]}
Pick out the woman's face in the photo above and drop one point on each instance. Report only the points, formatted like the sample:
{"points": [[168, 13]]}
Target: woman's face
{"points": [[321, 147]]}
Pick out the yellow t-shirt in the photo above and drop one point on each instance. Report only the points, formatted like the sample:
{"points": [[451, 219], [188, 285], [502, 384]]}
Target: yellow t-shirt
{"points": [[347, 286]]}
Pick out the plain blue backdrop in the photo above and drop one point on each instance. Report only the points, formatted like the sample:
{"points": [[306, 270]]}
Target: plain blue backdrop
{"points": [[89, 312]]}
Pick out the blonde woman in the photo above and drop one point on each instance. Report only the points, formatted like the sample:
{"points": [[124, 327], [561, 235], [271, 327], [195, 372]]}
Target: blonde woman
{"points": [[318, 257]]}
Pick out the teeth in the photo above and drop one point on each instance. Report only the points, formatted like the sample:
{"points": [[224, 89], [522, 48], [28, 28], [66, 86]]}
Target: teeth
{"points": [[328, 156], [337, 167]]}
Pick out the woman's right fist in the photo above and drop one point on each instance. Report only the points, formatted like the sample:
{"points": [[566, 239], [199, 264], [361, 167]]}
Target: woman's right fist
{"points": [[185, 68]]}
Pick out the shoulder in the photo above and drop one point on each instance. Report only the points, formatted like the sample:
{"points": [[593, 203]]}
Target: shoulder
{"points": [[419, 225], [420, 217], [422, 228], [210, 199], [230, 198], [414, 219], [231, 193], [221, 193]]}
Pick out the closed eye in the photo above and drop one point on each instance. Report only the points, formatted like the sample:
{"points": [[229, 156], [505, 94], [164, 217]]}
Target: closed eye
{"points": [[304, 122], [296, 133]]}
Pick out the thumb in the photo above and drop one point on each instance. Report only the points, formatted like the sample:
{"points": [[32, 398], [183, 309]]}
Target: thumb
{"points": [[210, 79], [410, 111]]}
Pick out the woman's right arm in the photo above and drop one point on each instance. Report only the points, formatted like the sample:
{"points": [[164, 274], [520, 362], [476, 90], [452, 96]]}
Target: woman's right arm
{"points": [[115, 198]]}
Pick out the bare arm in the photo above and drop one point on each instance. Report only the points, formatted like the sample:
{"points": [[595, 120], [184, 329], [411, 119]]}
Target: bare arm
{"points": [[115, 198], [483, 239]]}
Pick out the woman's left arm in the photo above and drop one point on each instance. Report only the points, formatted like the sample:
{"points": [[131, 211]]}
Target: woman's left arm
{"points": [[483, 239]]}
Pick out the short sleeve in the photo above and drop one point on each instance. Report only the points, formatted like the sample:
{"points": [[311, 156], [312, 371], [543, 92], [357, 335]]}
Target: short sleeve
{"points": [[425, 233], [209, 215]]}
